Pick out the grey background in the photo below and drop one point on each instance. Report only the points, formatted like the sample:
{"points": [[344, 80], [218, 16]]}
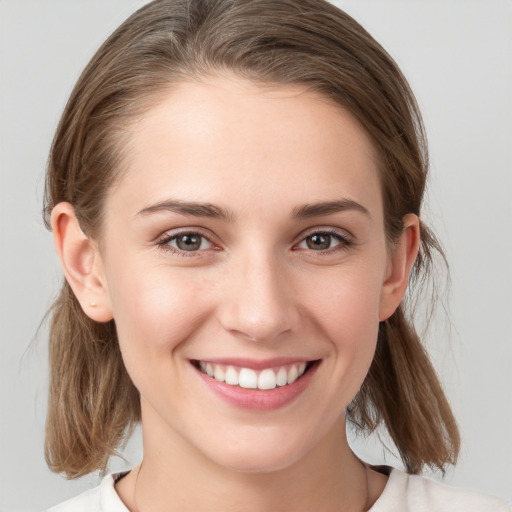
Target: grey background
{"points": [[458, 58]]}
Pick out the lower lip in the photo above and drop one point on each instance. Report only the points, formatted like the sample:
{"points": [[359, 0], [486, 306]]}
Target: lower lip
{"points": [[257, 399]]}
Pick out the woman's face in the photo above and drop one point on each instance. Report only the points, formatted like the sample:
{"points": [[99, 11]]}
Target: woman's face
{"points": [[245, 239]]}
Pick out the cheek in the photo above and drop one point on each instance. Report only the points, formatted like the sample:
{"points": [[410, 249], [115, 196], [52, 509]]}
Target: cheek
{"points": [[347, 310], [348, 301], [154, 311]]}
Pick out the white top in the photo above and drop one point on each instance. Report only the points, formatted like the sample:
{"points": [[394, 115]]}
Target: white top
{"points": [[403, 493]]}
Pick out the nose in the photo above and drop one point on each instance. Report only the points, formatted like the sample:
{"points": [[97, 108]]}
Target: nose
{"points": [[258, 302]]}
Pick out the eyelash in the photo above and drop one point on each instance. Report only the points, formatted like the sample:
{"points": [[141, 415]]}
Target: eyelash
{"points": [[164, 242], [344, 240]]}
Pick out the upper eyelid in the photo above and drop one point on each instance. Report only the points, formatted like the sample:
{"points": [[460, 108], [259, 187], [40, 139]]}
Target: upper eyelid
{"points": [[163, 244], [329, 230], [216, 240], [173, 233], [345, 238]]}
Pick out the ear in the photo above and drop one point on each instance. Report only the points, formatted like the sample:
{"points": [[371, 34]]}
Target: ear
{"points": [[402, 257], [81, 263]]}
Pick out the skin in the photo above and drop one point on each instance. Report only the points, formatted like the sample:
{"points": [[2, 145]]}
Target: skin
{"points": [[253, 289]]}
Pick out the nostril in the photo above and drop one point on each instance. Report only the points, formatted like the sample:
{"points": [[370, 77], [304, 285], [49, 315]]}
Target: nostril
{"points": [[260, 306]]}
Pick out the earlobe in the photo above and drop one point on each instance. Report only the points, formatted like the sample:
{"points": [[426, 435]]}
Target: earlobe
{"points": [[81, 263], [402, 258]]}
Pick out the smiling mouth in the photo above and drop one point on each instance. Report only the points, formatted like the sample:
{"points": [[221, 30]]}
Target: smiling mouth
{"points": [[248, 378]]}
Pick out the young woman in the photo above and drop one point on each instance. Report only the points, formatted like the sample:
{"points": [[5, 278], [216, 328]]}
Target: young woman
{"points": [[235, 193]]}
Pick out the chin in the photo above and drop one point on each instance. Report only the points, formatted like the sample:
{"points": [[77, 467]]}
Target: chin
{"points": [[261, 456], [253, 464]]}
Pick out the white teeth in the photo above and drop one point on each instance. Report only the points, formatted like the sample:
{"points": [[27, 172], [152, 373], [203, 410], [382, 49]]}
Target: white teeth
{"points": [[231, 376], [282, 377], [218, 373], [293, 374], [248, 378], [267, 379]]}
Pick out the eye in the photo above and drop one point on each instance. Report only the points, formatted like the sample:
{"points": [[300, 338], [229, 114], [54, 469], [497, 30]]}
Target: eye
{"points": [[186, 242], [323, 241]]}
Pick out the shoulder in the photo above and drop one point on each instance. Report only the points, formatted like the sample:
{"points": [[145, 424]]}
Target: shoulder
{"points": [[103, 498], [413, 493]]}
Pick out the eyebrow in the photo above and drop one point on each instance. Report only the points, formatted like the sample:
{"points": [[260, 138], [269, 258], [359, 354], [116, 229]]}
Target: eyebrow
{"points": [[189, 208], [216, 212], [328, 208]]}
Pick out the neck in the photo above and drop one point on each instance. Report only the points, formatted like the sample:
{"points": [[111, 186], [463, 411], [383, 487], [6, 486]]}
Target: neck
{"points": [[174, 476]]}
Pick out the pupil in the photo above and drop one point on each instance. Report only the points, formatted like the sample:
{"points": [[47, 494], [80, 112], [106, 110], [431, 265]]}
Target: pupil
{"points": [[188, 242], [319, 242]]}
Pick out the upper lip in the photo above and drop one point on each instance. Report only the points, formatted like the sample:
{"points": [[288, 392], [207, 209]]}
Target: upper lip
{"points": [[256, 364]]}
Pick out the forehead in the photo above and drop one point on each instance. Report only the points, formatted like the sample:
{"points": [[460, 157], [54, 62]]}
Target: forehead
{"points": [[226, 140]]}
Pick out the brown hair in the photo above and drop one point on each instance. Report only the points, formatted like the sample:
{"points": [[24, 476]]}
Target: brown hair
{"points": [[92, 401]]}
